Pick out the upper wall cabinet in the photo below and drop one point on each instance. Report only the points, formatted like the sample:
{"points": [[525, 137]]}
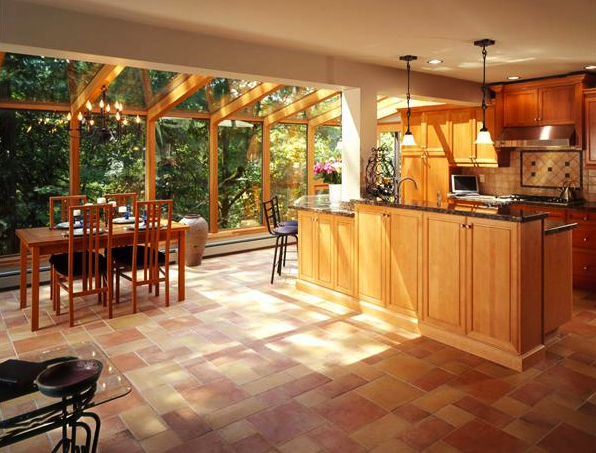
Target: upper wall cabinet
{"points": [[543, 102], [590, 112]]}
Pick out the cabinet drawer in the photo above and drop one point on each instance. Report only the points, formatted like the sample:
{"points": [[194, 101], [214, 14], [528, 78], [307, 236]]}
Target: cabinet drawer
{"points": [[584, 264], [583, 218], [584, 238]]}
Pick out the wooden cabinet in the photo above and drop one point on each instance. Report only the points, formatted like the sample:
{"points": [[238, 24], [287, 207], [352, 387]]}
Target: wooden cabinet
{"points": [[390, 258], [326, 250], [473, 283], [465, 124], [431, 173], [539, 105], [590, 127], [584, 248]]}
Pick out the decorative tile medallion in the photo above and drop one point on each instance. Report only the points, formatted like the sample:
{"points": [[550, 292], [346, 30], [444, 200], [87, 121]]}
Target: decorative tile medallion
{"points": [[550, 169]]}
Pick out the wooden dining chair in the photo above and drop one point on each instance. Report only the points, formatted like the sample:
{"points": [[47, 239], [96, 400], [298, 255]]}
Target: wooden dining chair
{"points": [[127, 199], [59, 205], [281, 231], [142, 263], [84, 260]]}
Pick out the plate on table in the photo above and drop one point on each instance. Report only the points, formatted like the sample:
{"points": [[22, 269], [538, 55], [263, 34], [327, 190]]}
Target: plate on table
{"points": [[79, 231], [123, 220], [142, 226], [65, 225]]}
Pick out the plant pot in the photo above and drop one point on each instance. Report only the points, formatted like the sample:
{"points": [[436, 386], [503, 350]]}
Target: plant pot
{"points": [[196, 237], [334, 194]]}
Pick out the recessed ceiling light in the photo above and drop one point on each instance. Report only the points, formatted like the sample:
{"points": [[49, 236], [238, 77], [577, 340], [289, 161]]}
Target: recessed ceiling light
{"points": [[513, 77], [592, 66], [435, 61]]}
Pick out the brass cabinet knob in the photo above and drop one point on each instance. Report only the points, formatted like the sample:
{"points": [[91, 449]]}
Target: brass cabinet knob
{"points": [[586, 268]]}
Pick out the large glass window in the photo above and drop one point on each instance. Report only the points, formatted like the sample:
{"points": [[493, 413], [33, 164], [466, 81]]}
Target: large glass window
{"points": [[117, 166], [183, 165], [239, 174], [326, 140], [34, 163], [287, 167]]}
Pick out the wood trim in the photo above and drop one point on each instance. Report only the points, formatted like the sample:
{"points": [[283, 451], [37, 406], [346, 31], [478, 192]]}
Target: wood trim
{"points": [[2, 55], [250, 97], [213, 190], [187, 114], [73, 157], [310, 159], [177, 94], [150, 159], [266, 177], [104, 76], [299, 105], [147, 90], [546, 82], [325, 117], [17, 105], [385, 112]]}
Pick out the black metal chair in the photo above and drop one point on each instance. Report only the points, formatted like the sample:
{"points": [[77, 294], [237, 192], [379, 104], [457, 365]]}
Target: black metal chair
{"points": [[281, 230]]}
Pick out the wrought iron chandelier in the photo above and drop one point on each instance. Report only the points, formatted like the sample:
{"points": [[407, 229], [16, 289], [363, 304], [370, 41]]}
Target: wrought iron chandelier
{"points": [[483, 137], [408, 138], [104, 126]]}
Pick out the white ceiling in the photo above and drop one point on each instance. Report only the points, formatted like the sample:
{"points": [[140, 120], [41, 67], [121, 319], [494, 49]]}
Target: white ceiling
{"points": [[534, 38]]}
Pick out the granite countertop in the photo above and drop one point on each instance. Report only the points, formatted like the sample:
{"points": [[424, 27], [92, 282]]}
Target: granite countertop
{"points": [[479, 210], [320, 203], [578, 206]]}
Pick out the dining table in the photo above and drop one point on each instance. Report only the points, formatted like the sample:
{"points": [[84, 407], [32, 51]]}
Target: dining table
{"points": [[42, 241]]}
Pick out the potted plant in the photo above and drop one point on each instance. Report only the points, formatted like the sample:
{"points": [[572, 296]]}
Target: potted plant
{"points": [[330, 173]]}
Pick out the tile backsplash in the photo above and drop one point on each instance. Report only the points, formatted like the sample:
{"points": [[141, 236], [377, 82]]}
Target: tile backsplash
{"points": [[550, 169], [508, 180]]}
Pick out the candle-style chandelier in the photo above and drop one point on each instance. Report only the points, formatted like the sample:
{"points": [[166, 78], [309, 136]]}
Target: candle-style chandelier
{"points": [[104, 126]]}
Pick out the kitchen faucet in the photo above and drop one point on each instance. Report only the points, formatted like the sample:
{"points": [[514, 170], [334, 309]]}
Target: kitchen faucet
{"points": [[398, 187]]}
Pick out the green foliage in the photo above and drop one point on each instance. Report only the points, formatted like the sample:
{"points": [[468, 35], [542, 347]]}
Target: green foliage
{"points": [[34, 162], [326, 140], [183, 165]]}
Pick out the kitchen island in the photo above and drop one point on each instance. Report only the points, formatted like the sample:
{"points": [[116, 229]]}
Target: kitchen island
{"points": [[467, 275]]}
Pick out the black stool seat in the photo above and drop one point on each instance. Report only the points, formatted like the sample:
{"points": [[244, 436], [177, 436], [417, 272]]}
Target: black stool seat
{"points": [[281, 231]]}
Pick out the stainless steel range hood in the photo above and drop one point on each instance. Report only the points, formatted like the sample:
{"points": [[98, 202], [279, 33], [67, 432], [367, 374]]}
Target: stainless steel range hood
{"points": [[543, 137]]}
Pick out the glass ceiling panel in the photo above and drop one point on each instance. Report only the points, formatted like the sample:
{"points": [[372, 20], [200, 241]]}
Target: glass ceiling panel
{"points": [[128, 88], [277, 100], [33, 78], [319, 109], [80, 73], [220, 92], [195, 103], [159, 80]]}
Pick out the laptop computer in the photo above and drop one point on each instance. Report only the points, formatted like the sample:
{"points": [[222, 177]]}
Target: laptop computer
{"points": [[464, 185]]}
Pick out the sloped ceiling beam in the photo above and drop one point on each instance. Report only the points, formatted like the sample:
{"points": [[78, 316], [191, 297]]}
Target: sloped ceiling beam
{"points": [[179, 89], [299, 105], [2, 54], [250, 97], [104, 76], [325, 117]]}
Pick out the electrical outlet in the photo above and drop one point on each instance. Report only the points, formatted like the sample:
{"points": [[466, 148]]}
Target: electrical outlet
{"points": [[481, 178]]}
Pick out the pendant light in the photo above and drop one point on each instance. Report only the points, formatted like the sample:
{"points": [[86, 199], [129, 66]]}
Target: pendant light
{"points": [[408, 139], [483, 137]]}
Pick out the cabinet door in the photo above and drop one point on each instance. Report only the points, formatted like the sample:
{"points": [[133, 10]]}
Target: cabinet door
{"points": [[492, 304], [444, 282], [520, 108], [344, 255], [371, 241], [437, 178], [591, 129], [462, 135], [557, 105], [306, 233], [437, 132], [324, 246], [416, 130], [405, 262], [413, 167]]}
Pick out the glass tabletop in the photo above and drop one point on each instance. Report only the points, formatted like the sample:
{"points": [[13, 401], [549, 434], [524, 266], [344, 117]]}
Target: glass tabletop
{"points": [[111, 384]]}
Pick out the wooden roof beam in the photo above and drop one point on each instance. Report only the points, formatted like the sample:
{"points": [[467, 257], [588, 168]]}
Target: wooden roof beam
{"points": [[104, 76], [181, 89], [147, 90], [325, 117], [299, 105], [2, 55], [248, 98]]}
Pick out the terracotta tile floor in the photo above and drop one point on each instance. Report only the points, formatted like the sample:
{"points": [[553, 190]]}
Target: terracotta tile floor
{"points": [[245, 366]]}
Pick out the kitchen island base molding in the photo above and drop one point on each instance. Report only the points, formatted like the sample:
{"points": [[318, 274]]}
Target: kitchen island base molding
{"points": [[512, 360]]}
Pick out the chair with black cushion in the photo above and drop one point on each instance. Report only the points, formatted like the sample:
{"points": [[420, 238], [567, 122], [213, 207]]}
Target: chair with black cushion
{"points": [[281, 230], [275, 201], [84, 260], [143, 262]]}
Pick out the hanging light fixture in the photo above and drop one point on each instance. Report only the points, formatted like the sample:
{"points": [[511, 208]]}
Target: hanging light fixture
{"points": [[98, 126], [483, 137], [408, 139]]}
